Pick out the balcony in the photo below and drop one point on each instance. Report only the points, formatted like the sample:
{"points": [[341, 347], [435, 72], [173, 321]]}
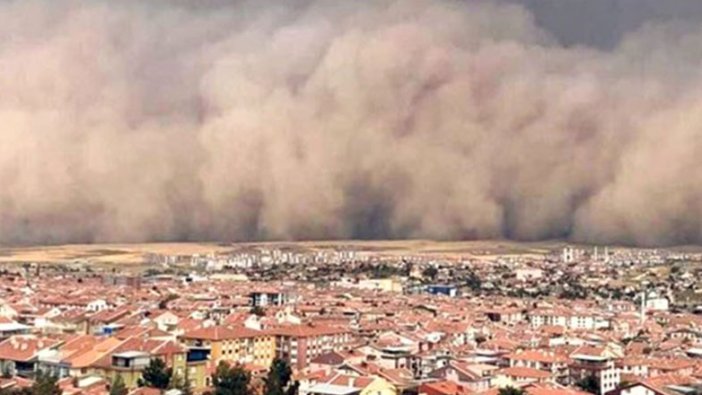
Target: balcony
{"points": [[198, 354], [131, 360], [591, 366]]}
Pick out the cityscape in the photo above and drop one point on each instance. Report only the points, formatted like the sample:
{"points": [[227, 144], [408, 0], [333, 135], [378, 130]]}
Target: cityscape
{"points": [[357, 318]]}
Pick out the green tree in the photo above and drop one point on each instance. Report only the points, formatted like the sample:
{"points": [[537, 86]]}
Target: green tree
{"points": [[511, 391], [278, 381], [231, 380], [118, 387], [385, 271], [45, 384], [408, 267], [623, 384], [473, 281], [258, 310], [589, 384], [186, 388], [16, 391], [163, 305], [181, 383], [156, 375], [431, 272]]}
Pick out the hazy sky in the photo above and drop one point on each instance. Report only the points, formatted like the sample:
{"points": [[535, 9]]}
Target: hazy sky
{"points": [[602, 23], [132, 120]]}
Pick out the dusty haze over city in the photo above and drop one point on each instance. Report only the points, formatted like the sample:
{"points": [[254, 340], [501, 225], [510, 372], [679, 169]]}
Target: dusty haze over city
{"points": [[133, 121]]}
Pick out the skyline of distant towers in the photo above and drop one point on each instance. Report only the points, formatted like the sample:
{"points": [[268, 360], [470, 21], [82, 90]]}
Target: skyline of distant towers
{"points": [[571, 254]]}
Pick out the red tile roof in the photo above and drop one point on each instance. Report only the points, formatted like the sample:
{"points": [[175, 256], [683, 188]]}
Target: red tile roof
{"points": [[217, 333]]}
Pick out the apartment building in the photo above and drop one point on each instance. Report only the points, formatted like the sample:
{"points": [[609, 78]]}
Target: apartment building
{"points": [[299, 344], [571, 319], [598, 362], [544, 360], [236, 344]]}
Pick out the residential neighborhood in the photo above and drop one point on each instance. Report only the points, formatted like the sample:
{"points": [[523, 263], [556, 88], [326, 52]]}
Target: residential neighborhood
{"points": [[368, 324]]}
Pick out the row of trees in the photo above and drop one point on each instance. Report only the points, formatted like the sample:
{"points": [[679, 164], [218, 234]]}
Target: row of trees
{"points": [[227, 380], [44, 384], [235, 380]]}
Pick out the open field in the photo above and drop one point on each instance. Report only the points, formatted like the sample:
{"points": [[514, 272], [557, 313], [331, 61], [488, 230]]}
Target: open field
{"points": [[138, 253], [104, 253]]}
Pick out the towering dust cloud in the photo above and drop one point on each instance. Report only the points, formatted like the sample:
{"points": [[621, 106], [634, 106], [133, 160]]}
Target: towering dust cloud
{"points": [[222, 120]]}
